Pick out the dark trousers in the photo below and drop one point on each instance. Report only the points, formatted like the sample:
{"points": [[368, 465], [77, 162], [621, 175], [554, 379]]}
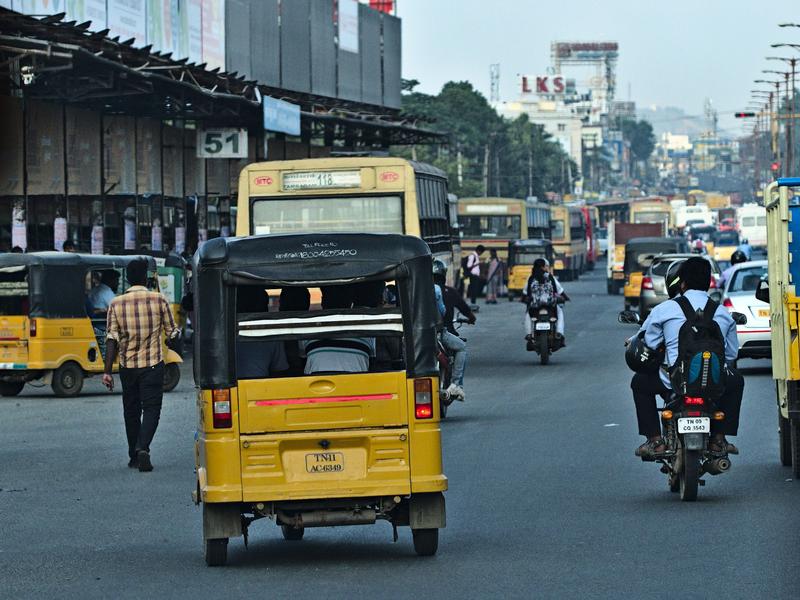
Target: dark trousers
{"points": [[647, 387], [475, 287], [142, 392]]}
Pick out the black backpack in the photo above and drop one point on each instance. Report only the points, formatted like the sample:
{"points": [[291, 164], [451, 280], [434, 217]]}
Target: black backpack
{"points": [[700, 368]]}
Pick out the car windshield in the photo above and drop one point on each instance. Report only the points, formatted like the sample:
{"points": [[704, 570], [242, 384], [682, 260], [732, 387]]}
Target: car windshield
{"points": [[746, 280], [660, 268]]}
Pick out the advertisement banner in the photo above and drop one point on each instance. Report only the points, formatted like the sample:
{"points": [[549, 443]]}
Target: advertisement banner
{"points": [[127, 19], [348, 25], [160, 28], [81, 11], [193, 30], [213, 20], [156, 238], [120, 156], [83, 152], [11, 150], [130, 234], [59, 233], [97, 239], [45, 148], [180, 240], [19, 225]]}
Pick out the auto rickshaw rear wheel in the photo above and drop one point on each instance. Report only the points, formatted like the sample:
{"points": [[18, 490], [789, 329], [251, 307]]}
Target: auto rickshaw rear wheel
{"points": [[68, 380], [216, 552], [426, 541], [172, 375], [11, 388], [292, 534]]}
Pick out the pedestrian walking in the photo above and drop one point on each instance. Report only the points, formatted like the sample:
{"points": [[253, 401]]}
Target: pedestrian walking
{"points": [[473, 271], [135, 323], [494, 277]]}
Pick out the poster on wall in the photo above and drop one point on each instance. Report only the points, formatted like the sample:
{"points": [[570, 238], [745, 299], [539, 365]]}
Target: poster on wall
{"points": [[120, 157], [213, 20], [97, 239], [180, 240], [127, 19], [130, 233], [59, 233], [156, 237], [348, 25], [45, 148], [19, 225], [83, 152], [11, 164]]}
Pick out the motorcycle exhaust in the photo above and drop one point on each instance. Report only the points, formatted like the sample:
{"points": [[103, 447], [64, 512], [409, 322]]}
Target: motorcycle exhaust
{"points": [[716, 466]]}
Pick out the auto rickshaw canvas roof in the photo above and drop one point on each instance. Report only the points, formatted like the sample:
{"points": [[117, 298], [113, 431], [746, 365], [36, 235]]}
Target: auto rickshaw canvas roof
{"points": [[69, 259], [312, 259]]}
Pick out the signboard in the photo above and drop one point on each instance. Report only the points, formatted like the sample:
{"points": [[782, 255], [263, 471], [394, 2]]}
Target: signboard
{"points": [[213, 23], [316, 180], [281, 116], [348, 25], [585, 50], [127, 19], [547, 84], [223, 142], [488, 209]]}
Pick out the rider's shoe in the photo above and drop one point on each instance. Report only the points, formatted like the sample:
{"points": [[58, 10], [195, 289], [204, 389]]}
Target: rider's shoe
{"points": [[561, 342], [651, 449], [456, 392]]}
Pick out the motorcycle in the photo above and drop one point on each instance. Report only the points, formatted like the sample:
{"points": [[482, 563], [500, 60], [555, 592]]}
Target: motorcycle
{"points": [[543, 332], [686, 429], [446, 359]]}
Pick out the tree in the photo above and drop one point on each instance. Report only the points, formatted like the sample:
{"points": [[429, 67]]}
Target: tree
{"points": [[641, 137]]}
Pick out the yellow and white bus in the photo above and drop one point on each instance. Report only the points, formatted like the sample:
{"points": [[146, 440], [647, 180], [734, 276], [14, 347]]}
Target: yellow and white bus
{"points": [[353, 194], [568, 231], [651, 211], [493, 222]]}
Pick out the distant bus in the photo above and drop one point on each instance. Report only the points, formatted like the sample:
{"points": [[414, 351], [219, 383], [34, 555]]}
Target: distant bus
{"points": [[590, 218], [568, 232], [491, 222], [538, 217], [751, 221], [353, 194], [616, 210], [689, 215], [651, 211]]}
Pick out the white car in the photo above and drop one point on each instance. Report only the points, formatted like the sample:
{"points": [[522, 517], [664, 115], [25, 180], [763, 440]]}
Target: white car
{"points": [[739, 295]]}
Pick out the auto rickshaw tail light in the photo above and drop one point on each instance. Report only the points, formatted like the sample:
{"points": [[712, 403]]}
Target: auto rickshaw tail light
{"points": [[423, 398], [221, 402], [32, 328]]}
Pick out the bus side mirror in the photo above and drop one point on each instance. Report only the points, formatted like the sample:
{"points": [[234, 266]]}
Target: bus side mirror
{"points": [[762, 291]]}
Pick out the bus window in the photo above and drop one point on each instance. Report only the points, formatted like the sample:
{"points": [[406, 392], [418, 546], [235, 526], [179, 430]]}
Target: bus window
{"points": [[749, 221], [557, 227], [372, 214], [762, 221]]}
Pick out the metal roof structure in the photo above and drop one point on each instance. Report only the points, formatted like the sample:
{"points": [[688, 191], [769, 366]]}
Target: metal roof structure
{"points": [[56, 60]]}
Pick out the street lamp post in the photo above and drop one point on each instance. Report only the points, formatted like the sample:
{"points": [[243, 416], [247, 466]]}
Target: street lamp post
{"points": [[792, 106], [776, 150]]}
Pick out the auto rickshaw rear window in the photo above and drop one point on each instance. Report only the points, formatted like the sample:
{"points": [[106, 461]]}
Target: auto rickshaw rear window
{"points": [[14, 291]]}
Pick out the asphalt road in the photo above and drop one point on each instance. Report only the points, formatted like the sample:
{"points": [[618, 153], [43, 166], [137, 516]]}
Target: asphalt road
{"points": [[546, 499]]}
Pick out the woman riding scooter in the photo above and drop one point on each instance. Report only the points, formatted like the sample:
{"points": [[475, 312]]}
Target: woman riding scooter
{"points": [[542, 283]]}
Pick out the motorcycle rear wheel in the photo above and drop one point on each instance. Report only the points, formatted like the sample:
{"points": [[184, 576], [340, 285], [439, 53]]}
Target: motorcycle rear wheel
{"points": [[689, 476], [544, 349]]}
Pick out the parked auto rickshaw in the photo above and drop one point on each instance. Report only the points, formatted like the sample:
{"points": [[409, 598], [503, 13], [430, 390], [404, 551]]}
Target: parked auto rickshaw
{"points": [[48, 331], [639, 253], [521, 256], [308, 449]]}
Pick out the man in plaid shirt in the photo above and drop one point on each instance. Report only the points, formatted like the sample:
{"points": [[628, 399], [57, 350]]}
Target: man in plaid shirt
{"points": [[135, 323]]}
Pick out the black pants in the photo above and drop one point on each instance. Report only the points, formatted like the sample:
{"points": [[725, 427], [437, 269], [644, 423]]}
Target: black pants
{"points": [[475, 287], [142, 392], [647, 387]]}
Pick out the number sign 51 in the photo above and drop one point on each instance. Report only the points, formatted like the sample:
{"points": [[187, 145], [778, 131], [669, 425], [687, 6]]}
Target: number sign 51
{"points": [[224, 142]]}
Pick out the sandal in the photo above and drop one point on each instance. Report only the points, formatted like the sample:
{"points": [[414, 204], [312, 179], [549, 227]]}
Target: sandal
{"points": [[722, 447], [651, 449]]}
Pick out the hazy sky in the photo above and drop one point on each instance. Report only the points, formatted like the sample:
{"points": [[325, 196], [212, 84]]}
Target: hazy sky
{"points": [[672, 52]]}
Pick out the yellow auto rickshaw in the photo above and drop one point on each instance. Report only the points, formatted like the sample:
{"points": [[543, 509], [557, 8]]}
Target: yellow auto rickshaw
{"points": [[725, 244], [324, 437], [521, 256], [49, 331], [639, 254]]}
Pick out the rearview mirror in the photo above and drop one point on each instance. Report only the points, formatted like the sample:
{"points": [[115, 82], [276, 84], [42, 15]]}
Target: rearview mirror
{"points": [[762, 291], [715, 295], [629, 317], [739, 318]]}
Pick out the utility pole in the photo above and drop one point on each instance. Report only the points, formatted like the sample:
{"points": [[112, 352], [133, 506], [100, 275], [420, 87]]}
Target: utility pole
{"points": [[496, 172], [530, 170], [485, 170]]}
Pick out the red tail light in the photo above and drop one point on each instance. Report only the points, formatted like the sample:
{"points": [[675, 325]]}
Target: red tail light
{"points": [[423, 398], [647, 283], [693, 413], [32, 328], [221, 400], [693, 401], [713, 283], [727, 303]]}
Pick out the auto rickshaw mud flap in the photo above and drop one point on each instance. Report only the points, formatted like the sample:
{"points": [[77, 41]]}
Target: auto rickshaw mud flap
{"points": [[694, 441], [427, 511], [223, 520]]}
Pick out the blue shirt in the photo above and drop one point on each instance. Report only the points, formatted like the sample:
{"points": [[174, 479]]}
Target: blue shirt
{"points": [[664, 324], [100, 296], [747, 249], [437, 290]]}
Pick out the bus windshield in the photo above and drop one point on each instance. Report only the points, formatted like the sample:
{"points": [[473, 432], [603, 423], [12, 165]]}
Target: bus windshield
{"points": [[650, 217], [334, 214], [490, 226]]}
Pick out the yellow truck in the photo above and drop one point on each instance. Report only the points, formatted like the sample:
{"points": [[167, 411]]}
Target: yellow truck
{"points": [[783, 239]]}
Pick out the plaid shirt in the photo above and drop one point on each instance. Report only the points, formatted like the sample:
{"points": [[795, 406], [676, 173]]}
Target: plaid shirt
{"points": [[135, 321]]}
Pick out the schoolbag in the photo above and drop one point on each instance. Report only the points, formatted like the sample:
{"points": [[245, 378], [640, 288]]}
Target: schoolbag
{"points": [[542, 294], [699, 370]]}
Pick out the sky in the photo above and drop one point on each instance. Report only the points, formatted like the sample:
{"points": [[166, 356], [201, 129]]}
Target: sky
{"points": [[672, 52]]}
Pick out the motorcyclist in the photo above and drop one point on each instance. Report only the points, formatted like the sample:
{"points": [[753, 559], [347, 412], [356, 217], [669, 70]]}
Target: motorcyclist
{"points": [[541, 271], [746, 248], [698, 247], [737, 257], [662, 327], [452, 300]]}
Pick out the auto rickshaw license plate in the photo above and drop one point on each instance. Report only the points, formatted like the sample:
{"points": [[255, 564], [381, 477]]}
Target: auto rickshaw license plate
{"points": [[763, 312], [324, 462]]}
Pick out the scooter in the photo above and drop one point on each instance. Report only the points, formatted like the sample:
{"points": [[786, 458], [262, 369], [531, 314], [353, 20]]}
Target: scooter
{"points": [[686, 429]]}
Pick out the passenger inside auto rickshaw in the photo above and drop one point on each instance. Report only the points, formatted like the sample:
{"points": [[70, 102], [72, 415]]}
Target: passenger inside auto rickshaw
{"points": [[257, 359], [105, 290]]}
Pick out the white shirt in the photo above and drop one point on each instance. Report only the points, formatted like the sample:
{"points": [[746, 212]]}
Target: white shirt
{"points": [[474, 264]]}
